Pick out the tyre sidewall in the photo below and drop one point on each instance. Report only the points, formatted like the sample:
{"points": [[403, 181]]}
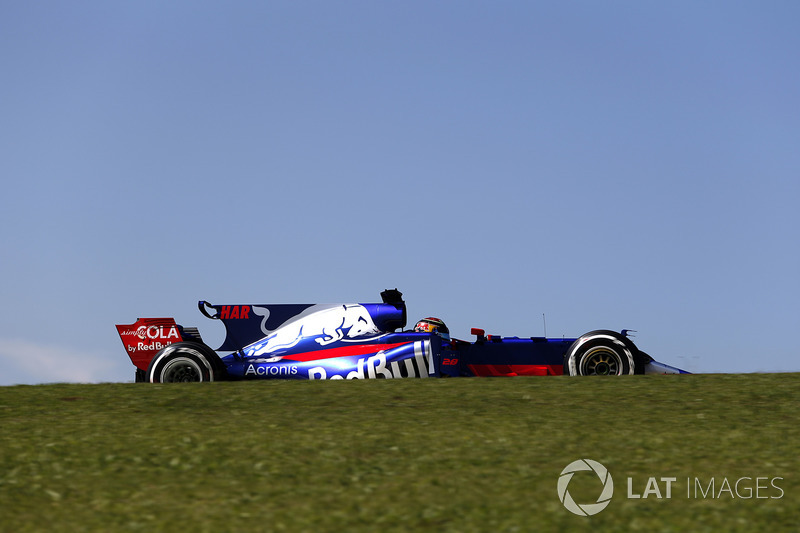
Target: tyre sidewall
{"points": [[621, 346], [186, 352]]}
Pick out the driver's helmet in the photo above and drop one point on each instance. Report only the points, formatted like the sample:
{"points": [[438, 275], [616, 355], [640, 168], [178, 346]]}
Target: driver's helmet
{"points": [[433, 325]]}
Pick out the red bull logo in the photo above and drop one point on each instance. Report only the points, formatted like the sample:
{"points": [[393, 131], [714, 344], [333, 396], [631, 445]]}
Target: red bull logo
{"points": [[377, 366]]}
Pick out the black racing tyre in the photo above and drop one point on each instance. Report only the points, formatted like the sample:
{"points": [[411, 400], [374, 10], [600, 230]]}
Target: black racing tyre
{"points": [[185, 362], [601, 353]]}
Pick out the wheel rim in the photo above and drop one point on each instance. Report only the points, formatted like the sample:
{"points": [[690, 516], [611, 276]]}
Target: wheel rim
{"points": [[181, 371], [601, 361]]}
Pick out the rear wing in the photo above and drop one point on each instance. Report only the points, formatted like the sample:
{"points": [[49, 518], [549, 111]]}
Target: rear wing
{"points": [[144, 338]]}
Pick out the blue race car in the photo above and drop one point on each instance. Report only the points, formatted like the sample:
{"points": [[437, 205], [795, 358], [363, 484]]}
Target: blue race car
{"points": [[361, 341]]}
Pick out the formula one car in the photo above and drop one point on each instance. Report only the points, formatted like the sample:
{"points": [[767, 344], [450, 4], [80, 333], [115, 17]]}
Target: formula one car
{"points": [[361, 341]]}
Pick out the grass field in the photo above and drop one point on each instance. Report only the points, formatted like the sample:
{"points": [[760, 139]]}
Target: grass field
{"points": [[400, 455]]}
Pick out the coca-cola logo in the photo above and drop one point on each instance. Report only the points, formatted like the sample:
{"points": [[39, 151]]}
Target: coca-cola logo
{"points": [[154, 333]]}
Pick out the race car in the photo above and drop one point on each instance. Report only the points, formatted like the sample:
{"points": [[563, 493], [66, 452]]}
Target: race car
{"points": [[362, 341]]}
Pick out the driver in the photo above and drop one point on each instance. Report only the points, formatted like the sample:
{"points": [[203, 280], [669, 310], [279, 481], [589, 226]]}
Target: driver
{"points": [[433, 325]]}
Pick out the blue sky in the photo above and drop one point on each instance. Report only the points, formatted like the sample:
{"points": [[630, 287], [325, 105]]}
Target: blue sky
{"points": [[604, 164]]}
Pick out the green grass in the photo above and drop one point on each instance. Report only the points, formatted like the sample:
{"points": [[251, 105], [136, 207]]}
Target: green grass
{"points": [[398, 455]]}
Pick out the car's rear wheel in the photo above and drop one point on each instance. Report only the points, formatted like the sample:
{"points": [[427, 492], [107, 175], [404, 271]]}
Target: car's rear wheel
{"points": [[185, 362], [600, 353]]}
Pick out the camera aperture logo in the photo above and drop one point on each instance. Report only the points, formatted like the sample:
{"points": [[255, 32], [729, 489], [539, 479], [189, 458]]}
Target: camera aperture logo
{"points": [[586, 509]]}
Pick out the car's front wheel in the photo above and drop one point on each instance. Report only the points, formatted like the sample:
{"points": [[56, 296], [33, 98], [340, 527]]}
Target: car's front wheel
{"points": [[600, 353], [184, 362]]}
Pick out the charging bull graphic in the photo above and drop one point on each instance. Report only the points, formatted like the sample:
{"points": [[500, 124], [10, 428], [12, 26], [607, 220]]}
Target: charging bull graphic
{"points": [[323, 324]]}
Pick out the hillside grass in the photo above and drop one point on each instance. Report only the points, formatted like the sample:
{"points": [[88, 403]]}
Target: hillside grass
{"points": [[471, 454]]}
